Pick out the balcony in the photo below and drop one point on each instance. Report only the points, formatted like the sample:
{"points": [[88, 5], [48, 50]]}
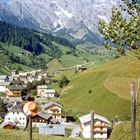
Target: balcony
{"points": [[15, 94], [100, 131], [100, 125]]}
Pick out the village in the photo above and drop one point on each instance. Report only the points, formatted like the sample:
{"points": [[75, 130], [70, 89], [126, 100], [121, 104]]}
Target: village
{"points": [[49, 117]]}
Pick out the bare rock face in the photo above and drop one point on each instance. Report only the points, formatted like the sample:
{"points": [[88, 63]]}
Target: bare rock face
{"points": [[76, 18]]}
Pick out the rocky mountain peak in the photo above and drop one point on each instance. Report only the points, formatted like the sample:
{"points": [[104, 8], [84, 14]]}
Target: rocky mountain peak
{"points": [[76, 18]]}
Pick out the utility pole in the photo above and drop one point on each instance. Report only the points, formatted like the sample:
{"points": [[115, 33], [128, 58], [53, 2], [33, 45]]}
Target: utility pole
{"points": [[30, 127], [138, 103], [133, 111], [92, 125]]}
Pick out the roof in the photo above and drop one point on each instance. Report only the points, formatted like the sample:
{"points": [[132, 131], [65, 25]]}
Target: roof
{"points": [[53, 120], [87, 118], [47, 116], [6, 77], [9, 105], [2, 76], [51, 104], [5, 83], [6, 123], [15, 99], [44, 115], [17, 108], [42, 87], [50, 91], [55, 129], [18, 87]]}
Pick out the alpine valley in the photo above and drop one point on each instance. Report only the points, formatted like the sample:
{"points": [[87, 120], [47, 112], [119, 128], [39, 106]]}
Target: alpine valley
{"points": [[66, 66]]}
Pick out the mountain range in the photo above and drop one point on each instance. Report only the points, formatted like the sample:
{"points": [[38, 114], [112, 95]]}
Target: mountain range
{"points": [[76, 19]]}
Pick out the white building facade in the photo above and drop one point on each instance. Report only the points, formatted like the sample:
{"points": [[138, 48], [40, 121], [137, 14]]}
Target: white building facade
{"points": [[53, 108], [17, 117], [3, 86], [45, 92], [100, 126]]}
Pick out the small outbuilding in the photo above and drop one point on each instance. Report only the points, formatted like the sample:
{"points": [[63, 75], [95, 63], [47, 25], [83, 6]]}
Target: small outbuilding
{"points": [[7, 125], [52, 129]]}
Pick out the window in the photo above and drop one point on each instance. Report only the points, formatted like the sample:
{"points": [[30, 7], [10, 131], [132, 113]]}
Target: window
{"points": [[50, 126]]}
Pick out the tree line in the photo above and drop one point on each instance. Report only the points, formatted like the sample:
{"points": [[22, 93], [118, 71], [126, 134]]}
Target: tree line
{"points": [[30, 40]]}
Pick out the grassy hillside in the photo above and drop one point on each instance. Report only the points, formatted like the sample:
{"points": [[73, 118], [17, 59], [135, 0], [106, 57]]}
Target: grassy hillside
{"points": [[83, 54], [23, 135], [92, 89], [122, 132]]}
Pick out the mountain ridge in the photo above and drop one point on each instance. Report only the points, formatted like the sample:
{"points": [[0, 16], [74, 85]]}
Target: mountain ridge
{"points": [[74, 18]]}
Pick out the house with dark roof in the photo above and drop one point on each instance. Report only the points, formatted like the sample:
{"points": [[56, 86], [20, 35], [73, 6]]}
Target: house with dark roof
{"points": [[53, 108], [16, 116], [43, 118]]}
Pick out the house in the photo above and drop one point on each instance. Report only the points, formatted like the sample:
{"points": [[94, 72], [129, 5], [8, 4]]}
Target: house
{"points": [[80, 68], [14, 91], [43, 118], [52, 129], [9, 106], [4, 82], [100, 126], [7, 125], [41, 89], [53, 108], [14, 73], [23, 79], [16, 116], [3, 86], [45, 92], [5, 78]]}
